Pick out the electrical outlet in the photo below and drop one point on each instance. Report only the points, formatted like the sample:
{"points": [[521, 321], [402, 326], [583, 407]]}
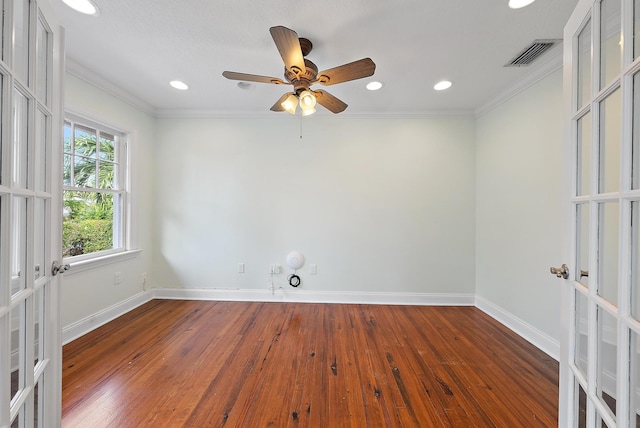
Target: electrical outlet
{"points": [[117, 277], [313, 269], [240, 267], [143, 278], [274, 269]]}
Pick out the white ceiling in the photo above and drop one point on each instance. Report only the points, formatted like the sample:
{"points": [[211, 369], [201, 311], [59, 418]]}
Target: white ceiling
{"points": [[140, 45]]}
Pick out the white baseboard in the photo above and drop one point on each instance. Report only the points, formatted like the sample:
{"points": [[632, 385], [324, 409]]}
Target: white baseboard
{"points": [[303, 296], [85, 325], [537, 338], [526, 331]]}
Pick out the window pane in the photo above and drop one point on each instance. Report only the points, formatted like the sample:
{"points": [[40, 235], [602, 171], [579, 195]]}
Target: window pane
{"points": [[584, 65], [584, 154], [88, 223], [635, 259], [106, 175], [41, 167], [40, 238], [581, 410], [42, 63], [582, 246], [610, 127], [635, 167], [39, 327], [636, 29], [19, 237], [17, 348], [107, 146], [608, 251], [67, 137], [634, 385], [610, 46], [84, 172], [581, 319], [21, 39], [85, 141], [607, 359], [20, 139]]}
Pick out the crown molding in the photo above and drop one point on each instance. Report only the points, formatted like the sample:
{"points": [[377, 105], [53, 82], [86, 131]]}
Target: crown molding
{"points": [[549, 63], [83, 73]]}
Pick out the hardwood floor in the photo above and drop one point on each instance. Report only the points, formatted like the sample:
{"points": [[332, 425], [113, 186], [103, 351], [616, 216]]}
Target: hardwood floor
{"points": [[196, 364]]}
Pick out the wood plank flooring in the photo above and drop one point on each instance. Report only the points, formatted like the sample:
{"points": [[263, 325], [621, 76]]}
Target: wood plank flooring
{"points": [[237, 364]]}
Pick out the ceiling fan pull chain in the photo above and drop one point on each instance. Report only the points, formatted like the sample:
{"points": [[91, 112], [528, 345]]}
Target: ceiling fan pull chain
{"points": [[301, 126]]}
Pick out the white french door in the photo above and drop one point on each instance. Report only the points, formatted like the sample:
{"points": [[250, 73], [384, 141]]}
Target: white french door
{"points": [[600, 358], [30, 194]]}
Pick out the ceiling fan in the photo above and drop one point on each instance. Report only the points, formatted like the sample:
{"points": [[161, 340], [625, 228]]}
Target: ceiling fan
{"points": [[302, 73]]}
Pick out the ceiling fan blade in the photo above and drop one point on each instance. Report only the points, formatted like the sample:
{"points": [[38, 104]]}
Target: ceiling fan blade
{"points": [[328, 101], [288, 45], [354, 70], [251, 78], [278, 105]]}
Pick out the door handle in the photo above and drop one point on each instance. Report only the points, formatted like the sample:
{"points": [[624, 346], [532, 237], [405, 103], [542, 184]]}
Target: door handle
{"points": [[561, 272], [57, 267]]}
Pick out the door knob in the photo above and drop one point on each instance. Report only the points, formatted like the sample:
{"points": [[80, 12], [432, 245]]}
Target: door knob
{"points": [[561, 272]]}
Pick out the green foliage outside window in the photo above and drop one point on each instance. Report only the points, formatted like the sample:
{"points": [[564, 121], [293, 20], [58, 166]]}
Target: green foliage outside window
{"points": [[88, 214]]}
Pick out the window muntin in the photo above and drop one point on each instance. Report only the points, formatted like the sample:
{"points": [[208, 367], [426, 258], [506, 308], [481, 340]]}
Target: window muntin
{"points": [[94, 191]]}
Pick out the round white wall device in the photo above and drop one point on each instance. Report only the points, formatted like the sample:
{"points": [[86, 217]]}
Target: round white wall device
{"points": [[295, 260]]}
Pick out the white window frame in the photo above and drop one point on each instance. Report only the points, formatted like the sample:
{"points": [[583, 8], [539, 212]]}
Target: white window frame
{"points": [[123, 221]]}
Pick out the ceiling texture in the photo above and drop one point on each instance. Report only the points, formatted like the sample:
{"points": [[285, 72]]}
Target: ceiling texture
{"points": [[133, 48]]}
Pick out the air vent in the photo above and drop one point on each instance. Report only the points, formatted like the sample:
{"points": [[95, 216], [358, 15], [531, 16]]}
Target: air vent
{"points": [[532, 52]]}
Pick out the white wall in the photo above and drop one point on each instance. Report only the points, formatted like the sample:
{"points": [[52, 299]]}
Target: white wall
{"points": [[380, 205], [519, 205], [89, 292]]}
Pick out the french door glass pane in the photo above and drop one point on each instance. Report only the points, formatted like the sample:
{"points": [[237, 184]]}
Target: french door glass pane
{"points": [[584, 154], [39, 326], [42, 63], [610, 126], [40, 238], [635, 259], [19, 238], [634, 386], [607, 359], [582, 311], [21, 40], [636, 28], [584, 65], [635, 166], [608, 251], [41, 151], [20, 140], [610, 41], [581, 410], [582, 244], [17, 348]]}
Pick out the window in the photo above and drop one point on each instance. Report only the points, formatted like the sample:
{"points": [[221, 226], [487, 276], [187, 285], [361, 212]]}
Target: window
{"points": [[94, 189]]}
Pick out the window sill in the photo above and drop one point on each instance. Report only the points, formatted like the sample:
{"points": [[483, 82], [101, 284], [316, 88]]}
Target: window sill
{"points": [[94, 263]]}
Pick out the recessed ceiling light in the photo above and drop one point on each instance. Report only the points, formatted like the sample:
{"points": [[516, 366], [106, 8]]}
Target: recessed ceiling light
{"points": [[517, 4], [83, 6], [442, 85], [374, 86], [246, 86], [179, 85]]}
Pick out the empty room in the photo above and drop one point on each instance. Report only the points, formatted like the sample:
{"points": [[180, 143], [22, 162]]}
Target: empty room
{"points": [[320, 214]]}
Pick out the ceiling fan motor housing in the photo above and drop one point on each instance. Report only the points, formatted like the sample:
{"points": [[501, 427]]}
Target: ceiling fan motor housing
{"points": [[301, 79]]}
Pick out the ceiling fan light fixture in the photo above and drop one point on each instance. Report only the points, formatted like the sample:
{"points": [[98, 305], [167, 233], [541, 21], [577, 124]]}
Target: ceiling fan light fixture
{"points": [[290, 104], [517, 4], [307, 99], [374, 86], [308, 111], [83, 6]]}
